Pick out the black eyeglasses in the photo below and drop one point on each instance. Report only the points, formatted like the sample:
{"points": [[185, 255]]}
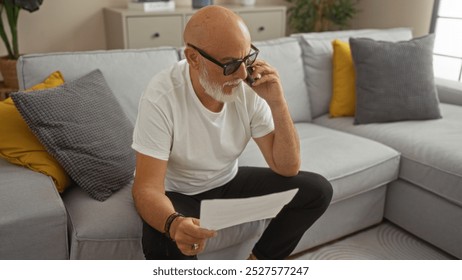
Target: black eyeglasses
{"points": [[231, 67]]}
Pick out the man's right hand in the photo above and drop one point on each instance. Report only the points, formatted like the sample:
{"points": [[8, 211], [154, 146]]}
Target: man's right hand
{"points": [[189, 236]]}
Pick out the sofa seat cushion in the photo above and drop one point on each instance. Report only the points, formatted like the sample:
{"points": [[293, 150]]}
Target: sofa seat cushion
{"points": [[113, 229], [431, 149], [33, 218], [352, 164], [103, 230]]}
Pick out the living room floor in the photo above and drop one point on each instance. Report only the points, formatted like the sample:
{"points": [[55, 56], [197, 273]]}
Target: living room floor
{"points": [[385, 241]]}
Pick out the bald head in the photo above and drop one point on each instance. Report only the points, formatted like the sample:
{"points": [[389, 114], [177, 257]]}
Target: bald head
{"points": [[216, 27]]}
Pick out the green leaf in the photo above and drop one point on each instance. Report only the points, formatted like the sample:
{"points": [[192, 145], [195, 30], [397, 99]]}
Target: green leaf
{"points": [[12, 9], [319, 15]]}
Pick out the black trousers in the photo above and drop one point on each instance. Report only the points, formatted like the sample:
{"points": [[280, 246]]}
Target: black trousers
{"points": [[284, 231]]}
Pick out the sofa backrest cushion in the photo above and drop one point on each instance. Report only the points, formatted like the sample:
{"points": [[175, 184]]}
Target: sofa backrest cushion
{"points": [[317, 54], [285, 55], [127, 72]]}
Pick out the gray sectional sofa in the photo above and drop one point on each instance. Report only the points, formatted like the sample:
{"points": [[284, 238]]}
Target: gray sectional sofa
{"points": [[408, 172]]}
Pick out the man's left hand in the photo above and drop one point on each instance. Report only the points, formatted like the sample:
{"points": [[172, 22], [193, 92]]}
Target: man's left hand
{"points": [[267, 83]]}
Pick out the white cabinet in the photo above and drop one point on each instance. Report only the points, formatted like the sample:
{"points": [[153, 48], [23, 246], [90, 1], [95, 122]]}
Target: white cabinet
{"points": [[136, 29], [153, 31], [264, 25]]}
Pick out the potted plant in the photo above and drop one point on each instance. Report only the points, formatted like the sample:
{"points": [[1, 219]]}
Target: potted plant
{"points": [[11, 9], [321, 15]]}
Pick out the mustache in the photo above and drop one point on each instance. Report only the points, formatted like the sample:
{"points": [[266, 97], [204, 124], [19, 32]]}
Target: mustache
{"points": [[233, 83]]}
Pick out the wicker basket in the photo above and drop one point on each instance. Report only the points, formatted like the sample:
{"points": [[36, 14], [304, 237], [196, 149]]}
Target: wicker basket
{"points": [[8, 70]]}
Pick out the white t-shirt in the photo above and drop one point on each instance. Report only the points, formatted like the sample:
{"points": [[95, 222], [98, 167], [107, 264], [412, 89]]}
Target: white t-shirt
{"points": [[202, 147]]}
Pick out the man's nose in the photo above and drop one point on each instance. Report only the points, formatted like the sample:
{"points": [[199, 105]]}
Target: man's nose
{"points": [[241, 72]]}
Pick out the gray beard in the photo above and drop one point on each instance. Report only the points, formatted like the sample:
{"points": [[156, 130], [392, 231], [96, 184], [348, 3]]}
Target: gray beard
{"points": [[215, 90]]}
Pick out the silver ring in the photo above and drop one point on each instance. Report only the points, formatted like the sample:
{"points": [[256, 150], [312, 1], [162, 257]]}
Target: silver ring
{"points": [[258, 77], [195, 246]]}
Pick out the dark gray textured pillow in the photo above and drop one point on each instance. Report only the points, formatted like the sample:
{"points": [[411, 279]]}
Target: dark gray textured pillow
{"points": [[83, 126], [394, 80]]}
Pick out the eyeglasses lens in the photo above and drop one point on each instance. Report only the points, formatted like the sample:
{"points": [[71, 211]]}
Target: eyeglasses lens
{"points": [[251, 59], [233, 67]]}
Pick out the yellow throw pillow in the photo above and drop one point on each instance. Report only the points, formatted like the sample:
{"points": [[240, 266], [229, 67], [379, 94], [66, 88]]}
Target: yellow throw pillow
{"points": [[19, 145], [343, 102], [54, 80]]}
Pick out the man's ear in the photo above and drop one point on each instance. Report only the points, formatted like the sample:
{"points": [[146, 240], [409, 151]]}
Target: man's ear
{"points": [[192, 57]]}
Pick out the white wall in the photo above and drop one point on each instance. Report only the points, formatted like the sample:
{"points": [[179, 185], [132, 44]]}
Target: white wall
{"points": [[395, 13], [64, 25], [70, 25]]}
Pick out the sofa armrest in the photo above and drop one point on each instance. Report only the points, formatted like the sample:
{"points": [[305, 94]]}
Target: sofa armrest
{"points": [[449, 91], [33, 220]]}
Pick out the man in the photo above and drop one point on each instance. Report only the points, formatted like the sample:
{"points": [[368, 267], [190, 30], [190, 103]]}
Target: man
{"points": [[194, 121]]}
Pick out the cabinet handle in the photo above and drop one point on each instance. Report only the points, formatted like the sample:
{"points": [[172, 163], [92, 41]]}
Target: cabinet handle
{"points": [[261, 29], [155, 35]]}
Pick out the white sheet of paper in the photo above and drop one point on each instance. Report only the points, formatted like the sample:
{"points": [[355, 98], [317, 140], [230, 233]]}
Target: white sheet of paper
{"points": [[222, 213]]}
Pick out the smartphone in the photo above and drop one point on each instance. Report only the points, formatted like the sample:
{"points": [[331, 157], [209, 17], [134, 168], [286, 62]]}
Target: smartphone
{"points": [[249, 80]]}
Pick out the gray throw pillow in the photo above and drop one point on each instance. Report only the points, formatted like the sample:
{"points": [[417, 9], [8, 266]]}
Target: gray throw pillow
{"points": [[394, 81], [83, 126]]}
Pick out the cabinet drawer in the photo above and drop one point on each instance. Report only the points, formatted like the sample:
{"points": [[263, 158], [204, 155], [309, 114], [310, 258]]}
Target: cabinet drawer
{"points": [[264, 25], [146, 32]]}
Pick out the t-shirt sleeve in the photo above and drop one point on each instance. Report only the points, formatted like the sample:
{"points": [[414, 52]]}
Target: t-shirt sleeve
{"points": [[261, 122], [153, 132]]}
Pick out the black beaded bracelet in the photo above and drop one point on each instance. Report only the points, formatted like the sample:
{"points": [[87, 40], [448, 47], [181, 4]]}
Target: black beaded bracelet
{"points": [[168, 223]]}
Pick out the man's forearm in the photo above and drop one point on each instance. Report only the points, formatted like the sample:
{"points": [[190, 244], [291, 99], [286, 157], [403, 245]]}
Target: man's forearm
{"points": [[281, 148], [286, 144], [153, 207]]}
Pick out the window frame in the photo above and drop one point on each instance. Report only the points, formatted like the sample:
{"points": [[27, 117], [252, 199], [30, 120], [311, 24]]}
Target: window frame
{"points": [[436, 6]]}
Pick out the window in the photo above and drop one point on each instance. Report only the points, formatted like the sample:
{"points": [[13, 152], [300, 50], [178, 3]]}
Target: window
{"points": [[447, 25]]}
